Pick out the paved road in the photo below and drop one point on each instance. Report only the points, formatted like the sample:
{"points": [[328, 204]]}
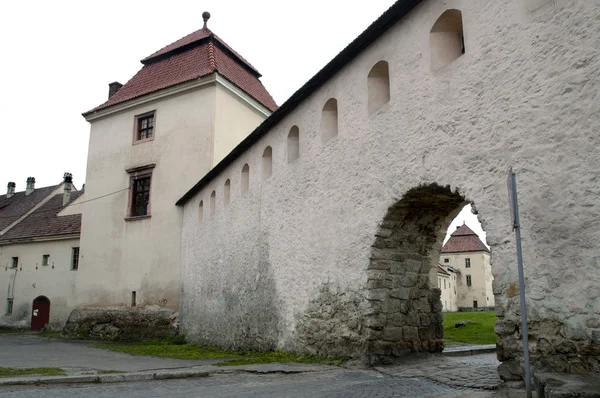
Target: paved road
{"points": [[30, 351], [336, 383]]}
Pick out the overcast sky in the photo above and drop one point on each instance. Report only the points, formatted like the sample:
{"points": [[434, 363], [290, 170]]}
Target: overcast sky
{"points": [[59, 56]]}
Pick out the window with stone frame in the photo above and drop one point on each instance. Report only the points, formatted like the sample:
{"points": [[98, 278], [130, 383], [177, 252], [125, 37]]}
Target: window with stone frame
{"points": [[45, 259], [139, 192], [469, 282], [144, 127], [15, 262], [467, 263]]}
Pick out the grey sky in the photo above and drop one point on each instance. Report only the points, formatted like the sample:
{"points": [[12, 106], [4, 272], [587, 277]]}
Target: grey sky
{"points": [[58, 58]]}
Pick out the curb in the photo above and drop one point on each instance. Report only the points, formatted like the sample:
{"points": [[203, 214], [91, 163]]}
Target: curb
{"points": [[470, 350], [107, 378]]}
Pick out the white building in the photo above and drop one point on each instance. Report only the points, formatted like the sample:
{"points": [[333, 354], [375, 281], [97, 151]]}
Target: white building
{"points": [[470, 257], [447, 284]]}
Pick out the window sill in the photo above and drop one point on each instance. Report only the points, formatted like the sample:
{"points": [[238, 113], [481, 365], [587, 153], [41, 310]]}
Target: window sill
{"points": [[136, 142], [137, 218]]}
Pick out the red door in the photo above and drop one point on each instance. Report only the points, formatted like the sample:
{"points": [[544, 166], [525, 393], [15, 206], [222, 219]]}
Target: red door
{"points": [[40, 313]]}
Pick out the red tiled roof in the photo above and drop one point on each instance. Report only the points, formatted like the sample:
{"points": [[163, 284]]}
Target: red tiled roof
{"points": [[198, 54], [442, 271], [464, 240], [45, 222], [16, 206]]}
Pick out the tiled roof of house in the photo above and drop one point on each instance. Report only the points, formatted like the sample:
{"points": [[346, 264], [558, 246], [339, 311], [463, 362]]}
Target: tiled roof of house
{"points": [[464, 240], [196, 55], [16, 206], [45, 222], [442, 271]]}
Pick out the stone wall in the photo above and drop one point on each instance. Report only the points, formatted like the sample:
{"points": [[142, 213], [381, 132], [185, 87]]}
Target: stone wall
{"points": [[329, 250], [121, 324]]}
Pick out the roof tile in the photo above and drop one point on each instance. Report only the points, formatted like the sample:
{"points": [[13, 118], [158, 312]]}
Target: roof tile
{"points": [[16, 206], [464, 240]]}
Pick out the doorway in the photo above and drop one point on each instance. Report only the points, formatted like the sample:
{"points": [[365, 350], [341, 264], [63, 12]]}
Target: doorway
{"points": [[40, 313]]}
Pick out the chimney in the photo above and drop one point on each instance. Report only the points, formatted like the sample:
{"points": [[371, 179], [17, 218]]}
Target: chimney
{"points": [[10, 189], [113, 88], [29, 185], [68, 182]]}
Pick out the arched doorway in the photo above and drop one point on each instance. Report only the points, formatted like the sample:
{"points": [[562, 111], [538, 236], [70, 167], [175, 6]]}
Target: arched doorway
{"points": [[40, 313], [402, 274]]}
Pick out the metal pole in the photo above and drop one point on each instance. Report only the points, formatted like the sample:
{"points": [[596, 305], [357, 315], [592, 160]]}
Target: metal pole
{"points": [[517, 228]]}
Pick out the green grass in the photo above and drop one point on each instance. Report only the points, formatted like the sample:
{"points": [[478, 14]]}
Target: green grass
{"points": [[482, 332], [12, 372], [180, 350]]}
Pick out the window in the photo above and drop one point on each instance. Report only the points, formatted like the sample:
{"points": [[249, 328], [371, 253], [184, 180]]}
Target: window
{"points": [[15, 262], [201, 211], [293, 142], [378, 83], [139, 195], [212, 203], [245, 178], [45, 259], [469, 280], [74, 259], [9, 306], [467, 263], [133, 299], [227, 192], [444, 284], [144, 127], [267, 163], [329, 120], [474, 303], [446, 260], [446, 39]]}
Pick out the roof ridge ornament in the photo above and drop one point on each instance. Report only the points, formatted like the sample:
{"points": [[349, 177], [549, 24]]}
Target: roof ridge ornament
{"points": [[205, 17]]}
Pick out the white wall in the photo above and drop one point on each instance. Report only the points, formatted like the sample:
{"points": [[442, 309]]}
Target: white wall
{"points": [[30, 280], [512, 99], [481, 278]]}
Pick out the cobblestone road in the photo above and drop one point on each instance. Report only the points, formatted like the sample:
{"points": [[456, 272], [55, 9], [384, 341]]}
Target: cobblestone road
{"points": [[477, 371]]}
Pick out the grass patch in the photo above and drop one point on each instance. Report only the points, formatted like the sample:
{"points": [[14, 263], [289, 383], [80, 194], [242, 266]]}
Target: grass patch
{"points": [[180, 350], [50, 334], [482, 332], [12, 372], [109, 372]]}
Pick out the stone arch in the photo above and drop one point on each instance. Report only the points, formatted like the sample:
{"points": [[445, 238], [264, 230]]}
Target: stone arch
{"points": [[201, 211], [329, 120], [212, 203], [405, 311], [446, 39], [245, 183], [293, 144], [227, 192], [378, 85], [267, 163]]}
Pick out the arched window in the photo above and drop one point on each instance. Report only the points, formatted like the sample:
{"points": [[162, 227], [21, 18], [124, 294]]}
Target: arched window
{"points": [[201, 211], [378, 83], [245, 178], [329, 120], [227, 192], [446, 39], [293, 144], [267, 163], [213, 199]]}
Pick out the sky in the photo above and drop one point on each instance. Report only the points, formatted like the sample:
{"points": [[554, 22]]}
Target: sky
{"points": [[58, 58]]}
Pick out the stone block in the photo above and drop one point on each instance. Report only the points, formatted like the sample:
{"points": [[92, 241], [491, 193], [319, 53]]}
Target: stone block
{"points": [[566, 347], [589, 350], [384, 232], [380, 264], [400, 293], [593, 323], [505, 327], [412, 319], [410, 333], [412, 265], [423, 306], [393, 305], [410, 279], [596, 337], [382, 347], [392, 333], [510, 371], [375, 284], [376, 322], [378, 294], [397, 319], [424, 319]]}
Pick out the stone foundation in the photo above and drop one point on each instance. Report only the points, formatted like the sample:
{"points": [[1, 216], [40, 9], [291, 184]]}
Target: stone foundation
{"points": [[124, 324]]}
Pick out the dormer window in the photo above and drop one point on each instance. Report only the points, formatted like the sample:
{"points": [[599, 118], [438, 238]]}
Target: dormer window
{"points": [[144, 127]]}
